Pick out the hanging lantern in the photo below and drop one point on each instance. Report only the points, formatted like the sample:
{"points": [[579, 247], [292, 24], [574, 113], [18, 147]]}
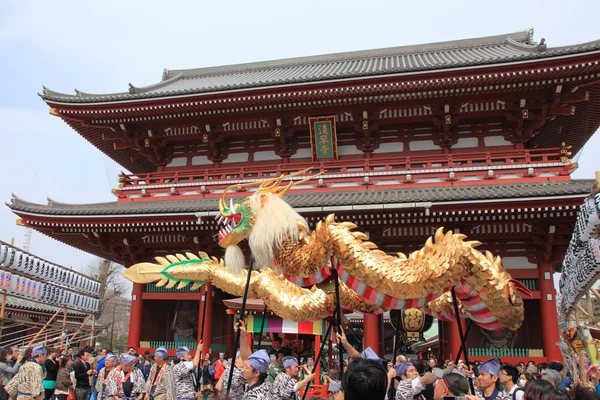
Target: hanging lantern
{"points": [[412, 324]]}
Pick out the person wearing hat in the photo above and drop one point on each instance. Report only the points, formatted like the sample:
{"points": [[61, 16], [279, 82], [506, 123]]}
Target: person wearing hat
{"points": [[256, 366], [28, 383], [160, 382], [286, 385], [565, 380], [451, 384], [126, 382], [238, 383], [183, 372], [489, 373], [411, 384], [110, 363]]}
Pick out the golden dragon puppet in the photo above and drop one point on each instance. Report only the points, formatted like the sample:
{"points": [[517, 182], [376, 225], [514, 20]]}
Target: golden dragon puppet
{"points": [[296, 264]]}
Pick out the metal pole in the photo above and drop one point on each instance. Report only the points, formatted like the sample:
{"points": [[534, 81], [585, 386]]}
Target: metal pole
{"points": [[262, 327], [396, 325], [338, 312], [236, 343], [200, 366], [318, 358], [463, 339]]}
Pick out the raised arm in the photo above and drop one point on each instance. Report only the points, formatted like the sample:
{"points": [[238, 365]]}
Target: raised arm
{"points": [[351, 350], [245, 351], [196, 359]]}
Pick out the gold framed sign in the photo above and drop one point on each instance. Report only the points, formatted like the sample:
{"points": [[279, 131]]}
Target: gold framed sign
{"points": [[323, 138]]}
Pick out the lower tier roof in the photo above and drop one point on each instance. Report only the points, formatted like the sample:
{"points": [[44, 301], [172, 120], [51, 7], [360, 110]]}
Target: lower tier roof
{"points": [[312, 201]]}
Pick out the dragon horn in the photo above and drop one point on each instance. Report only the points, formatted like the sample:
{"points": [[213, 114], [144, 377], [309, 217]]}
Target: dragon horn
{"points": [[144, 273]]}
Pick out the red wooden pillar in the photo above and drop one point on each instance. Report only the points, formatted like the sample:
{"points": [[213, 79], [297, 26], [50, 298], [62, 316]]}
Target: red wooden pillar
{"points": [[372, 333], [135, 317], [451, 339], [317, 361], [229, 334], [548, 312], [207, 295]]}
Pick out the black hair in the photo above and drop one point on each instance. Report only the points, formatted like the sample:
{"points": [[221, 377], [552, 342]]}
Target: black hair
{"points": [[278, 339], [535, 389], [365, 379], [542, 366], [528, 376], [4, 352], [556, 394], [63, 362], [81, 352], [511, 371], [262, 376], [581, 392], [419, 366]]}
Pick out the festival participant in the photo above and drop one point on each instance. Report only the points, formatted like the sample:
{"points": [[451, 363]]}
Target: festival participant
{"points": [[411, 384], [27, 384], [219, 366], [206, 377], [489, 372], [364, 380], [83, 370], [509, 376], [110, 364], [536, 389], [127, 382], [238, 382], [160, 382], [451, 384], [565, 380], [8, 369], [183, 373], [274, 367], [64, 383], [256, 366], [552, 376], [286, 385], [51, 369]]}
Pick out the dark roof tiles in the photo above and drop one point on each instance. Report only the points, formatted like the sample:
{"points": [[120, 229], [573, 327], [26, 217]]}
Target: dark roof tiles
{"points": [[322, 199], [458, 53]]}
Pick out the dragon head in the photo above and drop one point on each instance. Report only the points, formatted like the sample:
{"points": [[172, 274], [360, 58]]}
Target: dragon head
{"points": [[239, 219]]}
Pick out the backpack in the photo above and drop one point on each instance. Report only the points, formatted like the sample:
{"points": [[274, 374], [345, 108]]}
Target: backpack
{"points": [[514, 395]]}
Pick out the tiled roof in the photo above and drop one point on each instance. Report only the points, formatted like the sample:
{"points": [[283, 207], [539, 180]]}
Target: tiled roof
{"points": [[512, 47], [17, 303], [322, 199]]}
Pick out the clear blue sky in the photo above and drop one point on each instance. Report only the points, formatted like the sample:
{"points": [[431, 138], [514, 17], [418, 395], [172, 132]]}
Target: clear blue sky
{"points": [[101, 46]]}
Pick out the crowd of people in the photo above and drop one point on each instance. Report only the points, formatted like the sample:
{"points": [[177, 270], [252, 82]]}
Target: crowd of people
{"points": [[41, 373]]}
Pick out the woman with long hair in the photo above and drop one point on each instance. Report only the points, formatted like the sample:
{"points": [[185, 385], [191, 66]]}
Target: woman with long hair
{"points": [[535, 389], [7, 371], [63, 378]]}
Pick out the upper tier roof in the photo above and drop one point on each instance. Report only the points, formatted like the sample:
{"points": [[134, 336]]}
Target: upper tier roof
{"points": [[511, 47]]}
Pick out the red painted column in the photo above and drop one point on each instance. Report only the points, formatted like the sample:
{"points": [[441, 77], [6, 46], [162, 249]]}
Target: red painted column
{"points": [[229, 334], [372, 333], [135, 317], [207, 337], [548, 312], [452, 339]]}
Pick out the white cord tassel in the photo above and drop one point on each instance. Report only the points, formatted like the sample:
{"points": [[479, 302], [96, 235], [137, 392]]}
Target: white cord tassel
{"points": [[234, 259]]}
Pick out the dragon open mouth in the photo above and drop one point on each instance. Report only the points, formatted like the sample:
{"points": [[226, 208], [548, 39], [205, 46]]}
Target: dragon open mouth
{"points": [[230, 222]]}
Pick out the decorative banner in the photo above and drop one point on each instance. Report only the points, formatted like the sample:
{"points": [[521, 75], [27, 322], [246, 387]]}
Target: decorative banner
{"points": [[323, 138], [277, 325]]}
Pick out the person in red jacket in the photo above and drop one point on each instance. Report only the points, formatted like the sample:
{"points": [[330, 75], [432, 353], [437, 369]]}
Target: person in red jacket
{"points": [[219, 369]]}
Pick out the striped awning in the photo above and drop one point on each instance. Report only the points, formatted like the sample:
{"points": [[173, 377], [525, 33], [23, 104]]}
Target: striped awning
{"points": [[278, 325]]}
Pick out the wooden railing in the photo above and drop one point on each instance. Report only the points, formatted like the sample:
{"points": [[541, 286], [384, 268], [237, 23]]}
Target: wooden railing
{"points": [[404, 169]]}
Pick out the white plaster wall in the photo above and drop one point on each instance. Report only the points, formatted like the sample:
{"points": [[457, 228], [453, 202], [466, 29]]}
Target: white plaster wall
{"points": [[496, 141], [200, 160], [265, 155], [178, 162], [421, 145], [465, 143], [517, 263], [236, 157]]}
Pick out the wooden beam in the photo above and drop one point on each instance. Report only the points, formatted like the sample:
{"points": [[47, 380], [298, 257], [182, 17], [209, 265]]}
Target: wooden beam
{"points": [[575, 97], [44, 327], [121, 145], [564, 110], [112, 135], [80, 327]]}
